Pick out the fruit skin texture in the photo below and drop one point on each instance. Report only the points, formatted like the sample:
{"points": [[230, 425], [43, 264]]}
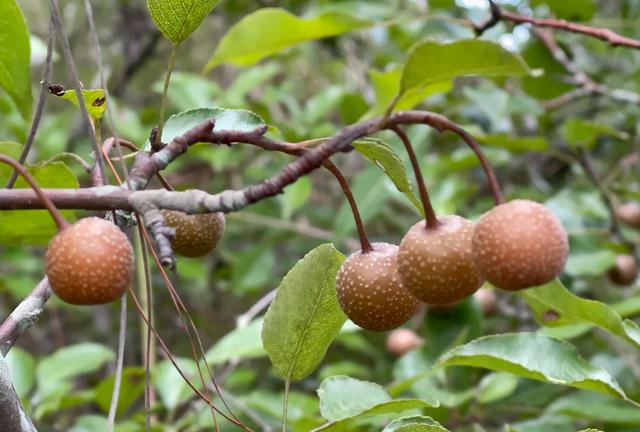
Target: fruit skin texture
{"points": [[519, 245], [401, 341], [436, 264], [629, 214], [625, 270], [196, 234], [370, 291], [89, 262]]}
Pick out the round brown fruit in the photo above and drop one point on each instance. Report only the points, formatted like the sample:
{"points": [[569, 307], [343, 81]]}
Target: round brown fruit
{"points": [[89, 262], [625, 270], [436, 264], [629, 214], [486, 299], [519, 245], [401, 341], [196, 234], [370, 291]]}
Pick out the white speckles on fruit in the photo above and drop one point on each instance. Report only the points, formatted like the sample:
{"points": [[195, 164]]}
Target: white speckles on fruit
{"points": [[519, 245], [197, 234], [625, 270], [89, 262], [436, 264], [370, 291], [401, 341]]}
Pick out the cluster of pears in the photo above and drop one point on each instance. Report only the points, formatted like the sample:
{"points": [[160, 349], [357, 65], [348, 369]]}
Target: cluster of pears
{"points": [[91, 262], [514, 246]]}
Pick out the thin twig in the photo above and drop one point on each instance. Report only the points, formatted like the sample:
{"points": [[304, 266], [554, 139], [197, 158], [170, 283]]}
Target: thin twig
{"points": [[115, 394]]}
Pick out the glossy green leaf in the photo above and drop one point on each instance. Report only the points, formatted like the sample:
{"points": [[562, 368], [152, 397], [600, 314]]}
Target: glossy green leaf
{"points": [[22, 368], [70, 362], [383, 156], [305, 316], [534, 356], [270, 30], [15, 52], [342, 396], [386, 86], [177, 19], [241, 343], [131, 389], [226, 119], [554, 305], [33, 226], [415, 424], [95, 101], [432, 62], [393, 406]]}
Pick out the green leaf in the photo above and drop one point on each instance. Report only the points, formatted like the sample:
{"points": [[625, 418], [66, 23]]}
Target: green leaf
{"points": [[21, 370], [393, 406], [35, 227], [171, 387], [305, 316], [226, 119], [94, 100], [415, 424], [342, 396], [70, 362], [590, 263], [386, 86], [131, 388], [383, 156], [571, 10], [554, 305], [533, 356], [177, 19], [295, 196], [496, 386], [270, 30], [582, 133], [432, 62], [514, 143], [15, 54], [241, 343], [595, 407]]}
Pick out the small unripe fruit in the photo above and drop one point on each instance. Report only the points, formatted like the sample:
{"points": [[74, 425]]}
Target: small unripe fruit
{"points": [[370, 291], [89, 262], [401, 341], [625, 270], [629, 214], [436, 264], [196, 234], [487, 300], [519, 245]]}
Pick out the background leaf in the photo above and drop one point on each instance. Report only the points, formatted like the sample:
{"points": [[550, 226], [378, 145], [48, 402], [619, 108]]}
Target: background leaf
{"points": [[270, 30], [305, 315], [415, 424], [241, 343], [342, 396], [15, 51], [533, 356], [177, 19]]}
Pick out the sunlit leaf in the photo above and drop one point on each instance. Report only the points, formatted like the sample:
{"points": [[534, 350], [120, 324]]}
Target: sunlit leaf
{"points": [[15, 69], [177, 19]]}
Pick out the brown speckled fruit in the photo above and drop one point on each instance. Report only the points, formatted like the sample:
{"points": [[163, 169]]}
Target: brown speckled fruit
{"points": [[629, 214], [625, 270], [436, 264], [89, 262], [196, 234], [401, 341], [370, 291], [519, 245]]}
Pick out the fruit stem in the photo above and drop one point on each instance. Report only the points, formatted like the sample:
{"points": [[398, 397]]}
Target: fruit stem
{"points": [[429, 212], [365, 245], [486, 165], [165, 91], [55, 214]]}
